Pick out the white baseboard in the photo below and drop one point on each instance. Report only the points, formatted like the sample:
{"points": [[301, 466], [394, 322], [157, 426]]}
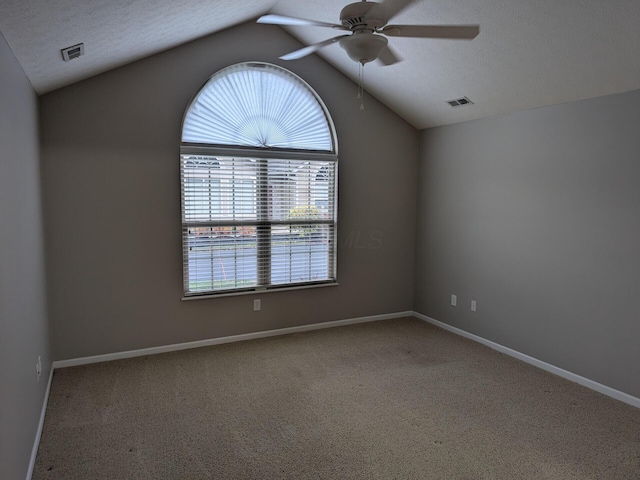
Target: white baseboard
{"points": [[598, 387], [36, 442], [218, 341]]}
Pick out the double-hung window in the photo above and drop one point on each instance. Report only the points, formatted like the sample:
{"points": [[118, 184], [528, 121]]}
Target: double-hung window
{"points": [[258, 166]]}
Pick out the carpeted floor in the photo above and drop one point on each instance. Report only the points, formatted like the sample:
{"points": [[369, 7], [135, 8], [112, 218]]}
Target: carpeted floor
{"points": [[396, 399]]}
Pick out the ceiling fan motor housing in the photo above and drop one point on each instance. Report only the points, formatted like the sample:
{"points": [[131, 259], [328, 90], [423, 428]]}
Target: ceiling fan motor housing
{"points": [[357, 16], [363, 47]]}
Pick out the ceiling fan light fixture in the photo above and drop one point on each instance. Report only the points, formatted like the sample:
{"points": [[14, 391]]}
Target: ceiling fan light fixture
{"points": [[363, 47]]}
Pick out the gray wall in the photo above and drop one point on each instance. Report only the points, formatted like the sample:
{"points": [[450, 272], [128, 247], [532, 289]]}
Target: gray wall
{"points": [[23, 321], [112, 204], [536, 215]]}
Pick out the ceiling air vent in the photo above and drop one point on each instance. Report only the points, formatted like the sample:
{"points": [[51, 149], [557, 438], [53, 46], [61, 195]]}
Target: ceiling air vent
{"points": [[70, 53], [460, 102]]}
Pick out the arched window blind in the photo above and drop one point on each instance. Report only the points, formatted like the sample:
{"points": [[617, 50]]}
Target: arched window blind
{"points": [[258, 105], [258, 170]]}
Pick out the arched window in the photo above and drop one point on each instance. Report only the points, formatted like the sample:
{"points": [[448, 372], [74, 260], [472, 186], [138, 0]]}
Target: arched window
{"points": [[258, 164]]}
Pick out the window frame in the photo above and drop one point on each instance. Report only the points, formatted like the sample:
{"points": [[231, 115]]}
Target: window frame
{"points": [[263, 224]]}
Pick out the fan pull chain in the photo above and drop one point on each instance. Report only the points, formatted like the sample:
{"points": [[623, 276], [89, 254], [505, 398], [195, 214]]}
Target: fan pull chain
{"points": [[360, 84]]}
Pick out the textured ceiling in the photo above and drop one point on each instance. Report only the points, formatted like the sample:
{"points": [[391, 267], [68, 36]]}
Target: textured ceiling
{"points": [[115, 32], [528, 54]]}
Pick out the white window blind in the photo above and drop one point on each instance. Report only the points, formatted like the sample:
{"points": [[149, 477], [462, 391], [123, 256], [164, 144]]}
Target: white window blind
{"points": [[257, 222], [265, 219], [257, 105]]}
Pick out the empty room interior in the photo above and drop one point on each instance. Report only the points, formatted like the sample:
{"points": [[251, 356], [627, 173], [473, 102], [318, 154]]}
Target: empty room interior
{"points": [[318, 240]]}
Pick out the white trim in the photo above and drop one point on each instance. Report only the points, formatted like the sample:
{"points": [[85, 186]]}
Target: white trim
{"points": [[260, 290], [585, 382], [270, 152], [218, 341], [36, 442]]}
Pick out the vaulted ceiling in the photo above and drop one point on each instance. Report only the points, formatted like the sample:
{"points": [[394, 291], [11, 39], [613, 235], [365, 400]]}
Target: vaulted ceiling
{"points": [[528, 54]]}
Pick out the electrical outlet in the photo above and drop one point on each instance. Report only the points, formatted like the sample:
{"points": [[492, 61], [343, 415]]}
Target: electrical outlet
{"points": [[454, 300], [473, 305], [39, 368], [256, 305]]}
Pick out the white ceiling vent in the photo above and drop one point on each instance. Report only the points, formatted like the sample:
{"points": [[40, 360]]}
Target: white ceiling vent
{"points": [[70, 53], [460, 102]]}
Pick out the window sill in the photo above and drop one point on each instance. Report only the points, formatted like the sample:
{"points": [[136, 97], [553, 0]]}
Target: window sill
{"points": [[258, 292]]}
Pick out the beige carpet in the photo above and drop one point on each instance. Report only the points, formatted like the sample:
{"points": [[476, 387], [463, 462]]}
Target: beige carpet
{"points": [[397, 399]]}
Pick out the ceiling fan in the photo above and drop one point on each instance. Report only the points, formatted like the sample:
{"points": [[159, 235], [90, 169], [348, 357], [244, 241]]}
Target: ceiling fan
{"points": [[368, 24]]}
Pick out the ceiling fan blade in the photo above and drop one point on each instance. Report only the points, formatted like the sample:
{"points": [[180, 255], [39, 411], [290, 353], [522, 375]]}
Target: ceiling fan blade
{"points": [[388, 57], [388, 9], [272, 19], [303, 52], [461, 32]]}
